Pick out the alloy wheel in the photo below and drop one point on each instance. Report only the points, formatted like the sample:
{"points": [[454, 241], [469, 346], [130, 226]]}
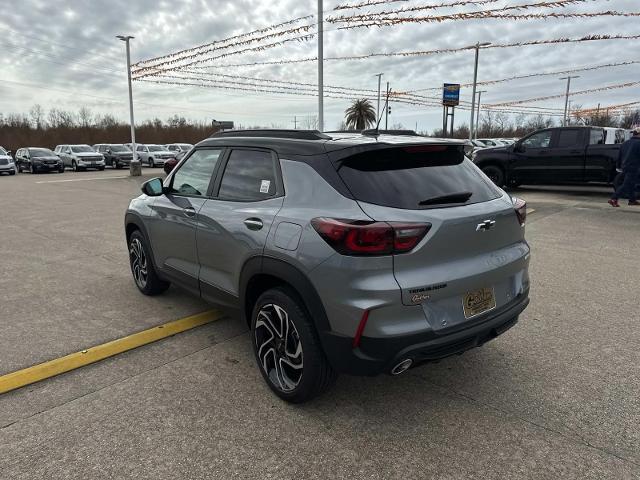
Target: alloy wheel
{"points": [[138, 263], [278, 347]]}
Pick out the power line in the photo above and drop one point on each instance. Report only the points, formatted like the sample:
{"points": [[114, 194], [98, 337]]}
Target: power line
{"points": [[582, 92]]}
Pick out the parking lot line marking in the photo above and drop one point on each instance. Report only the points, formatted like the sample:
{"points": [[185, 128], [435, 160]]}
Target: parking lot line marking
{"points": [[82, 179], [42, 371], [530, 210]]}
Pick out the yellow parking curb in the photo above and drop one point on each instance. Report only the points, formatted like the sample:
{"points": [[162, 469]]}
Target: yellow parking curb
{"points": [[42, 371]]}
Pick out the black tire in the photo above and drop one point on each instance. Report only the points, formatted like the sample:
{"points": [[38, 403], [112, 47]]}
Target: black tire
{"points": [[152, 284], [32, 170], [316, 375], [116, 165], [74, 166], [19, 168], [495, 173], [12, 172], [151, 164], [61, 169]]}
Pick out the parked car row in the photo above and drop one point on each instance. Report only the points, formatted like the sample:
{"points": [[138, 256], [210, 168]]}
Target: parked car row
{"points": [[83, 157]]}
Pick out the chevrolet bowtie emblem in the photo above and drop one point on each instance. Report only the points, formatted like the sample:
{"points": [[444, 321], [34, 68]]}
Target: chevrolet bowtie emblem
{"points": [[486, 225]]}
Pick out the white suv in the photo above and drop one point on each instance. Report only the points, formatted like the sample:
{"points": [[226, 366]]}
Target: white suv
{"points": [[80, 157], [154, 155]]}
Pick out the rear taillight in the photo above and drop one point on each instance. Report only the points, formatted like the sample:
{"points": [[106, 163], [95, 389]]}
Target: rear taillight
{"points": [[521, 210], [356, 237]]}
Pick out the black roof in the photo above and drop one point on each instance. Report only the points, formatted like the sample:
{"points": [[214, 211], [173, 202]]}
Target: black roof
{"points": [[313, 142]]}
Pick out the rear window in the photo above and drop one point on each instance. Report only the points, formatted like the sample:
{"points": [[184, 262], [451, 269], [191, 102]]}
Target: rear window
{"points": [[416, 177]]}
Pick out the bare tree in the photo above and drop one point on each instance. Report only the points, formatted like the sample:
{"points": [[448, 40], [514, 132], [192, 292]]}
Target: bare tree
{"points": [[85, 116], [310, 122], [37, 116]]}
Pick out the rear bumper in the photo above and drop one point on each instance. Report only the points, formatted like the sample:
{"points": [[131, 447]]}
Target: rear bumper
{"points": [[379, 355]]}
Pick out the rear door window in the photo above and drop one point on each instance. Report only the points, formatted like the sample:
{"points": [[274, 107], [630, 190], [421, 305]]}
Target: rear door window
{"points": [[569, 138], [415, 177], [250, 175]]}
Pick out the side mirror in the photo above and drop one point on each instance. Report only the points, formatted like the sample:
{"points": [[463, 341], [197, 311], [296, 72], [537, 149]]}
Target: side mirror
{"points": [[519, 147], [153, 187]]}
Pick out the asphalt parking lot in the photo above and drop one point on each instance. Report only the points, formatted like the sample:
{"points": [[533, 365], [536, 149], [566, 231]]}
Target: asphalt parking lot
{"points": [[557, 395]]}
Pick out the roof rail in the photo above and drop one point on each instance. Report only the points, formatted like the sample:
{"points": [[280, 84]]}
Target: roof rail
{"points": [[374, 132], [274, 133]]}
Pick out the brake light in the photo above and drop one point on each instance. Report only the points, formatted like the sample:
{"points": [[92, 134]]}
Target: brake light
{"points": [[355, 237], [521, 210]]}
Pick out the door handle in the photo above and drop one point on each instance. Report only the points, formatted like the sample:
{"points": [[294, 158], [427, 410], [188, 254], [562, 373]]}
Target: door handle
{"points": [[189, 212], [253, 223]]}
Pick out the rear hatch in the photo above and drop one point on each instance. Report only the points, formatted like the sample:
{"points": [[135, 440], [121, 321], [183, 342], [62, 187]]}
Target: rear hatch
{"points": [[473, 258]]}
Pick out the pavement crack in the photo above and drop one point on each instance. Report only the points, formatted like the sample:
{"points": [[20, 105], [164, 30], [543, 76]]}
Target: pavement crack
{"points": [[577, 438]]}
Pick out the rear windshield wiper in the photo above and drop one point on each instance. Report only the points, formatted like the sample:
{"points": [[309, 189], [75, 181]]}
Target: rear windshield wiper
{"points": [[459, 197]]}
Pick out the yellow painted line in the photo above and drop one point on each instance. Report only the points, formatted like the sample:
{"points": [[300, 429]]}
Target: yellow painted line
{"points": [[42, 371], [530, 210]]}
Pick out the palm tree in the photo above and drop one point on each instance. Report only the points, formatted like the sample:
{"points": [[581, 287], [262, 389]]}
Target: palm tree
{"points": [[360, 114]]}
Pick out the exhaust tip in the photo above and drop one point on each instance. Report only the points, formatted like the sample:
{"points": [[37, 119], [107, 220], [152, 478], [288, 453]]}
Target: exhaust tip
{"points": [[402, 366]]}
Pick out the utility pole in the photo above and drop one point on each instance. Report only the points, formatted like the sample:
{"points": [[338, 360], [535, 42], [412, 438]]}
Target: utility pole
{"points": [[295, 122], [320, 71], [386, 110], [477, 47], [566, 97], [480, 92], [135, 168], [379, 75]]}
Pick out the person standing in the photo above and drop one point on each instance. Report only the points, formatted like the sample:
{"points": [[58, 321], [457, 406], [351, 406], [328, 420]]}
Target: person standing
{"points": [[629, 157]]}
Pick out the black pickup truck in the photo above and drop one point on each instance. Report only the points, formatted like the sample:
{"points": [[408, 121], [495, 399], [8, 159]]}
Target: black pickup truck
{"points": [[552, 155]]}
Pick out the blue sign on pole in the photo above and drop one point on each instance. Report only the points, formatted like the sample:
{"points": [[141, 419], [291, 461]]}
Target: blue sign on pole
{"points": [[451, 94]]}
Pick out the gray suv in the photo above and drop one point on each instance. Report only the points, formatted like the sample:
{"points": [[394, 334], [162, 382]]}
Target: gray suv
{"points": [[345, 253]]}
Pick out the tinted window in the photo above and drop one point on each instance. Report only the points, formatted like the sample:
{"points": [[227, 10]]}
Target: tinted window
{"points": [[41, 152], [250, 175], [156, 148], [538, 140], [194, 175], [82, 148], [569, 138], [415, 177], [119, 148], [596, 137], [2, 151], [140, 148]]}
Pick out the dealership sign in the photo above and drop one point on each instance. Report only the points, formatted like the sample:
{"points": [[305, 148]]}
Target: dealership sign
{"points": [[451, 94]]}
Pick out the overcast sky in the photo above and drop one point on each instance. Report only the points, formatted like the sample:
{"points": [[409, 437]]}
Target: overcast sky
{"points": [[64, 54]]}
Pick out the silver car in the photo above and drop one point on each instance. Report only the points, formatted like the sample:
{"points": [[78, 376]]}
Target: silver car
{"points": [[80, 157], [6, 162], [153, 155], [349, 253]]}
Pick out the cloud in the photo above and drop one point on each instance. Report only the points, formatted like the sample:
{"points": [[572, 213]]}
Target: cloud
{"points": [[69, 57]]}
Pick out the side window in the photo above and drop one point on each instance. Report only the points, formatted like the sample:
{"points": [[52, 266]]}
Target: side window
{"points": [[250, 175], [140, 148], [538, 140], [569, 138], [195, 173], [596, 136]]}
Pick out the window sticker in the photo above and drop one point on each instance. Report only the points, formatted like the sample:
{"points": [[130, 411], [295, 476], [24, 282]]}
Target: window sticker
{"points": [[264, 186]]}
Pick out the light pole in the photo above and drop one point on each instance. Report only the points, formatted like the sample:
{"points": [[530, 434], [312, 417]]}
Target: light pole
{"points": [[386, 110], [477, 47], [320, 72], [480, 92], [135, 168], [379, 75], [566, 97]]}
